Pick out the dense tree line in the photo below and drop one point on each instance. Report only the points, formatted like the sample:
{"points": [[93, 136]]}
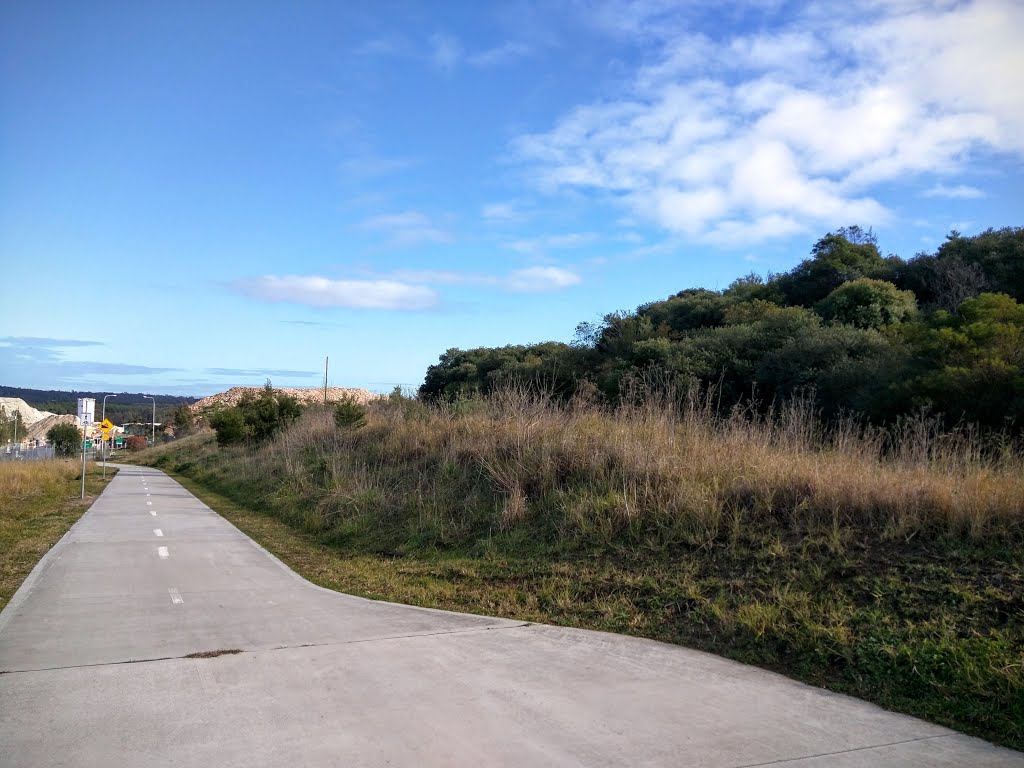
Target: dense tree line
{"points": [[877, 335], [38, 397], [128, 407]]}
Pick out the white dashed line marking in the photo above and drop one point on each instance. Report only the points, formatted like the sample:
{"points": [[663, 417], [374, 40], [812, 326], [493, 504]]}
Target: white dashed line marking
{"points": [[152, 512], [175, 596], [158, 532], [149, 503], [162, 551]]}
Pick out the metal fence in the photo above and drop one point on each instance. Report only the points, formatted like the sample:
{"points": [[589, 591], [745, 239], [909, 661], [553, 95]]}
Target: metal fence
{"points": [[16, 453]]}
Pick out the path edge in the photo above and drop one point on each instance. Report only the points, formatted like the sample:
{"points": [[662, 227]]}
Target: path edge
{"points": [[23, 591]]}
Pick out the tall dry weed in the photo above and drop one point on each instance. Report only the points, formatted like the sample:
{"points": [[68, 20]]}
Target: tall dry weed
{"points": [[661, 461], [21, 479]]}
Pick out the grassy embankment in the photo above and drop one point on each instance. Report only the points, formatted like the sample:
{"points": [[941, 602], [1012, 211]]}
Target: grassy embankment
{"points": [[39, 501], [887, 567]]}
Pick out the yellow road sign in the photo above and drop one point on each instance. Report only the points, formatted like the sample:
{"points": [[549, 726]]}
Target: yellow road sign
{"points": [[106, 425]]}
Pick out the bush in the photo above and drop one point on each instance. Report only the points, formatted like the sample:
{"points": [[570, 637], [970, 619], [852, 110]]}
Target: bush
{"points": [[259, 417], [867, 303], [183, 420], [348, 414], [65, 438], [230, 426], [136, 443]]}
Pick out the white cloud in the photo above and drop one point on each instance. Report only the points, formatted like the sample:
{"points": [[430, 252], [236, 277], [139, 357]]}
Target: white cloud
{"points": [[365, 166], [527, 280], [501, 212], [445, 52], [959, 192], [540, 279], [539, 245], [316, 291], [444, 277], [407, 228], [741, 138], [501, 55]]}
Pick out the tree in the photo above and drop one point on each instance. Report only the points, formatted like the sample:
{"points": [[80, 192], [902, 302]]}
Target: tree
{"points": [[183, 420], [12, 425], [964, 267], [973, 362], [229, 424], [687, 310], [137, 443], [66, 439], [835, 259], [867, 303], [466, 372], [257, 417], [348, 414], [269, 412]]}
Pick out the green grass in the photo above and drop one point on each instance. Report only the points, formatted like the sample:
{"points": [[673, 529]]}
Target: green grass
{"points": [[39, 502], [918, 608]]}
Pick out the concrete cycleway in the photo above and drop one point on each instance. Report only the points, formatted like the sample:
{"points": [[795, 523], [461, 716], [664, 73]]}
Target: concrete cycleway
{"points": [[113, 654]]}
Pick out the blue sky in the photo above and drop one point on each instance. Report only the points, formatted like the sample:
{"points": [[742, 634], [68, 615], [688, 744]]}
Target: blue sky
{"points": [[199, 195]]}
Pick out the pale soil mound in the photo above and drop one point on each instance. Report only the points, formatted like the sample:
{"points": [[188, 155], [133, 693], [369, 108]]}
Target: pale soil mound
{"points": [[29, 415], [307, 396], [38, 430]]}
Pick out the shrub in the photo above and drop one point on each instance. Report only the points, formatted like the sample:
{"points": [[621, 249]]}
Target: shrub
{"points": [[183, 420], [348, 414], [867, 303], [136, 443], [230, 426], [259, 417], [65, 438], [268, 413]]}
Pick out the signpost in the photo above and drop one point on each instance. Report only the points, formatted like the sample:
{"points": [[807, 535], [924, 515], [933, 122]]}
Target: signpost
{"points": [[105, 427], [86, 416]]}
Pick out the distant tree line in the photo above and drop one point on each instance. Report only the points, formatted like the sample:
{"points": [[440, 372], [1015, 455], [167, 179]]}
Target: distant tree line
{"points": [[877, 335], [38, 397], [128, 407]]}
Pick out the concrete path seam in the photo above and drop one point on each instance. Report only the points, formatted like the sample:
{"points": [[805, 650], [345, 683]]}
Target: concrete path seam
{"points": [[269, 650], [787, 760]]}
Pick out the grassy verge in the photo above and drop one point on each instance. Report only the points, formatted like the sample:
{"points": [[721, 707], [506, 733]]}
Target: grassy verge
{"points": [[893, 576], [39, 502]]}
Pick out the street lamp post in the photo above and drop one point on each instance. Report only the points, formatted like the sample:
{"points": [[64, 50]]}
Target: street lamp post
{"points": [[103, 445], [153, 422]]}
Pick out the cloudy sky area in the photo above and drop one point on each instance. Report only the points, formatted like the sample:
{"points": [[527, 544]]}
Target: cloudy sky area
{"points": [[200, 195]]}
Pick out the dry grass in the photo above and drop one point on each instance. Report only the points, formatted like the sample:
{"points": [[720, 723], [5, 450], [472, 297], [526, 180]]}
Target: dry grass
{"points": [[667, 465], [39, 501], [881, 564]]}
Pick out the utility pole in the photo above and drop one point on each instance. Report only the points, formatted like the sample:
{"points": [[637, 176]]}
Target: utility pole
{"points": [[150, 397], [327, 360], [103, 445], [83, 458]]}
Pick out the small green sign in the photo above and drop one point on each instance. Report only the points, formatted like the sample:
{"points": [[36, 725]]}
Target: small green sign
{"points": [[88, 444], [118, 442]]}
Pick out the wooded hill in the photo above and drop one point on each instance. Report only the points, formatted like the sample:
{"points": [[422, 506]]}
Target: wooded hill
{"points": [[876, 335], [127, 407]]}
